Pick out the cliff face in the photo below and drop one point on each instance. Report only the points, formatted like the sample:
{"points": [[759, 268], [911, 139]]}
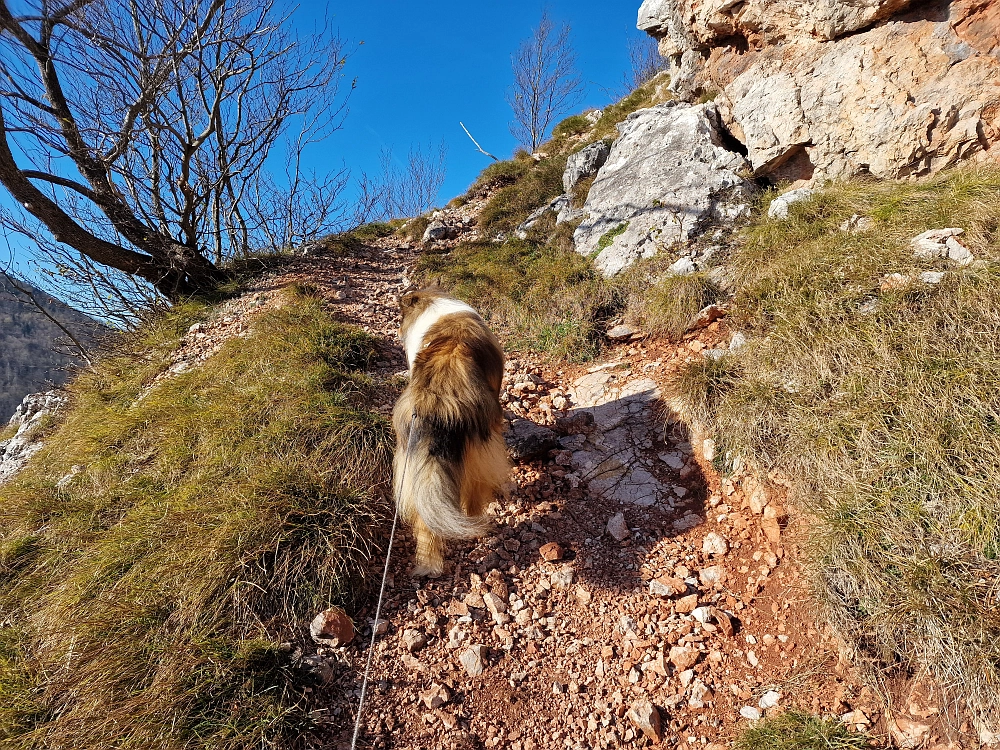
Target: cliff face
{"points": [[31, 358], [831, 89]]}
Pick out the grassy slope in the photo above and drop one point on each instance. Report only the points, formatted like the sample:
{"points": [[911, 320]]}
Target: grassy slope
{"points": [[144, 603], [882, 407]]}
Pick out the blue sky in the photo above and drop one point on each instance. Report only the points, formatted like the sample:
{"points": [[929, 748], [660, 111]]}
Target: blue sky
{"points": [[424, 66]]}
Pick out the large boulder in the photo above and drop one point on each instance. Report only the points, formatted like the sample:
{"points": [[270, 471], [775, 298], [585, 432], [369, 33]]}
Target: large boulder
{"points": [[826, 89], [668, 175]]}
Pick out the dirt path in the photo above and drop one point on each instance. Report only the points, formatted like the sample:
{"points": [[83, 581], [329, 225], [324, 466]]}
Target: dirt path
{"points": [[564, 626]]}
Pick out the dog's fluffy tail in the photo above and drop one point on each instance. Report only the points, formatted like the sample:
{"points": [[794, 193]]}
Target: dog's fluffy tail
{"points": [[427, 482]]}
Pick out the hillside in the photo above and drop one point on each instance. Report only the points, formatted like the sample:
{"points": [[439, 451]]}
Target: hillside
{"points": [[752, 395], [33, 350]]}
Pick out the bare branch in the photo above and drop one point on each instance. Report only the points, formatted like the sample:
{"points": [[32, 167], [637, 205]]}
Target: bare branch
{"points": [[478, 147]]}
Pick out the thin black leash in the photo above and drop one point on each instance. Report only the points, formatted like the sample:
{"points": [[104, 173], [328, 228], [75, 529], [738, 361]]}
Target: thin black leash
{"points": [[410, 443]]}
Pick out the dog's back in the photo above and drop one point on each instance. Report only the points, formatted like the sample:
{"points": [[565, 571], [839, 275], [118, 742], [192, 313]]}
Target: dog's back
{"points": [[456, 460]]}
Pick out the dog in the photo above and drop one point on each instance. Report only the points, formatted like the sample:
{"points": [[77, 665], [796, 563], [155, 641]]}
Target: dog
{"points": [[451, 459]]}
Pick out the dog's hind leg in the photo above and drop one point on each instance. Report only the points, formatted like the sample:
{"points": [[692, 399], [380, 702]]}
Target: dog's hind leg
{"points": [[430, 551], [486, 469]]}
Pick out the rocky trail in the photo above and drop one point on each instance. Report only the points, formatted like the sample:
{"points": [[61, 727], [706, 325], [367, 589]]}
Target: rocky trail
{"points": [[628, 595]]}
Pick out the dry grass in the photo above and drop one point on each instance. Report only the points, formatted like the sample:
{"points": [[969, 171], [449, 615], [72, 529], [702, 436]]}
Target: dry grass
{"points": [[883, 406], [669, 306], [794, 730], [143, 604]]}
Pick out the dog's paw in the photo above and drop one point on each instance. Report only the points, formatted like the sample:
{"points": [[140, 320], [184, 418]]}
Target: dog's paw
{"points": [[427, 571]]}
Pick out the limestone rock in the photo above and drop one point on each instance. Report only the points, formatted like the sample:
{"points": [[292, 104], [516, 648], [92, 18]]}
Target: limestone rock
{"points": [[779, 206], [526, 440], [827, 89], [646, 718], [617, 527], [473, 659], [714, 544], [28, 417], [585, 163], [332, 627], [436, 231], [942, 243], [668, 175], [435, 696]]}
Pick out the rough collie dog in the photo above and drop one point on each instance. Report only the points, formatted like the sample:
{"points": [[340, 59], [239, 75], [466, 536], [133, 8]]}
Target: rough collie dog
{"points": [[455, 461]]}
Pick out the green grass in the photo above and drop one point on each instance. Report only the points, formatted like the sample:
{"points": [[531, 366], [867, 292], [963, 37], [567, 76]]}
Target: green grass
{"points": [[794, 730], [376, 230], [511, 204], [609, 237], [8, 431], [143, 604], [414, 229], [539, 297], [881, 405]]}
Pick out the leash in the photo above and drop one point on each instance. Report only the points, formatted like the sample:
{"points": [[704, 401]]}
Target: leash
{"points": [[411, 442]]}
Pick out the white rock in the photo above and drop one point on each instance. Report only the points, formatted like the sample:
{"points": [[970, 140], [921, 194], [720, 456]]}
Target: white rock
{"points": [[770, 699], [473, 659], [779, 206], [667, 175], [749, 712], [714, 544], [683, 266], [932, 277], [617, 527]]}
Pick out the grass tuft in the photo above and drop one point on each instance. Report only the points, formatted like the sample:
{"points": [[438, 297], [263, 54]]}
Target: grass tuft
{"points": [[143, 604], [539, 297], [880, 404], [794, 730], [670, 305]]}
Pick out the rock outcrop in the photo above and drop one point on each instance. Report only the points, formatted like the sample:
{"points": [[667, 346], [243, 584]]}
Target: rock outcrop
{"points": [[835, 88], [16, 450], [668, 175]]}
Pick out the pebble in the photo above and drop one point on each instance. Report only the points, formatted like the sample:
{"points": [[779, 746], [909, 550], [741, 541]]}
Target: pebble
{"points": [[551, 551], [714, 544], [414, 640], [617, 527], [473, 659], [332, 627]]}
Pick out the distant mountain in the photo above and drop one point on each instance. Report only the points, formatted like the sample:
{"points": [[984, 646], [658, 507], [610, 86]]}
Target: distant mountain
{"points": [[33, 351]]}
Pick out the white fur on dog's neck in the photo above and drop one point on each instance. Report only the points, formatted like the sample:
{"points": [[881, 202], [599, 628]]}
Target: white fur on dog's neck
{"points": [[438, 309]]}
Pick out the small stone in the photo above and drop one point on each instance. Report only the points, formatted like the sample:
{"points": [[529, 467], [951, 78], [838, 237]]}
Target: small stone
{"points": [[752, 659], [456, 608], [474, 660], [617, 527], [909, 734], [683, 657], [712, 576], [435, 696], [932, 277], [667, 586], [708, 449], [623, 333], [749, 712], [770, 699], [332, 627], [714, 544], [494, 603], [413, 640], [724, 622], [551, 552], [646, 718], [687, 604], [583, 595], [779, 206], [562, 579]]}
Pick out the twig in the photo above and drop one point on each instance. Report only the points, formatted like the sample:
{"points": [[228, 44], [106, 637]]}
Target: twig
{"points": [[478, 147]]}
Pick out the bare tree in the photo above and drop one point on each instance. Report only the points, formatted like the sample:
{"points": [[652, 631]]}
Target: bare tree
{"points": [[645, 62], [411, 188], [138, 133], [546, 84]]}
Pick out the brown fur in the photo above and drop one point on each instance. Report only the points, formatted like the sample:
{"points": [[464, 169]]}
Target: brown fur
{"points": [[457, 461]]}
